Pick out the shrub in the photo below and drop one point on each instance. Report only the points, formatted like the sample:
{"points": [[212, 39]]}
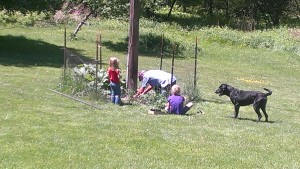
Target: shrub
{"points": [[189, 91], [152, 100], [27, 19]]}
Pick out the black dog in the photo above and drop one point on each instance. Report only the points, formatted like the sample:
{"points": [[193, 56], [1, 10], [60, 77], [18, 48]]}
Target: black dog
{"points": [[244, 98]]}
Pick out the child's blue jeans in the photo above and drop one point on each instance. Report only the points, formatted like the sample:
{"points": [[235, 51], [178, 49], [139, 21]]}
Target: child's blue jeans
{"points": [[115, 92]]}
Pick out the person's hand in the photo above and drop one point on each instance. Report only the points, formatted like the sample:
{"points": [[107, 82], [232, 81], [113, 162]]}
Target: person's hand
{"points": [[140, 90], [147, 89], [137, 95]]}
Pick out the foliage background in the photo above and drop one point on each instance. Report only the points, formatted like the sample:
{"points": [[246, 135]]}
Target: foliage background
{"points": [[41, 129]]}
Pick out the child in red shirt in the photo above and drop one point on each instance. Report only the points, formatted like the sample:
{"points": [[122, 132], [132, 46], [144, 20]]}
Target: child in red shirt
{"points": [[114, 79]]}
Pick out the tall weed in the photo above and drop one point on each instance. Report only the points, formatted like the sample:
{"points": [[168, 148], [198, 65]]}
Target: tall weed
{"points": [[189, 91]]}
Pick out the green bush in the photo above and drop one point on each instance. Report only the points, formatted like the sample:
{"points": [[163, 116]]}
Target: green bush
{"points": [[152, 100], [18, 18]]}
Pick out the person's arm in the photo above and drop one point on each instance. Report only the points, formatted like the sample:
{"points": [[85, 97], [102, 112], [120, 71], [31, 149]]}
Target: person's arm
{"points": [[143, 89], [119, 74], [168, 106], [147, 89], [139, 92]]}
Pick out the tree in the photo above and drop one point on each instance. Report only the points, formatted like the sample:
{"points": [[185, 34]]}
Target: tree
{"points": [[133, 44], [272, 10], [30, 5], [94, 8], [171, 8]]}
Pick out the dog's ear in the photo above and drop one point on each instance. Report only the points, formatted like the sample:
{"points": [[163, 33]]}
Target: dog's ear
{"points": [[223, 86]]}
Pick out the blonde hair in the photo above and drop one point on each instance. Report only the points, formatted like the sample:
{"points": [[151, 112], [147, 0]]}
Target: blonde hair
{"points": [[114, 63], [175, 89]]}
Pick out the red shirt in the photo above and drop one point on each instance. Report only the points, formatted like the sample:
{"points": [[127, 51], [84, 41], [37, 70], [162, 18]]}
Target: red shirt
{"points": [[114, 75]]}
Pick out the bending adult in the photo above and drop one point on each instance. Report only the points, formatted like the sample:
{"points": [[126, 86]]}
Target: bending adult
{"points": [[155, 79]]}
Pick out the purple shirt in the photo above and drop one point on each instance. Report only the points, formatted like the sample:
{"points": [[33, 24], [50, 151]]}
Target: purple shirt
{"points": [[176, 104]]}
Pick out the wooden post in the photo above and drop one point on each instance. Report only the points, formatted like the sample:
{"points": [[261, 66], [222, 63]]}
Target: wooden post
{"points": [[100, 50], [96, 79], [65, 48], [97, 47], [161, 50], [97, 62], [133, 43], [172, 70], [195, 70]]}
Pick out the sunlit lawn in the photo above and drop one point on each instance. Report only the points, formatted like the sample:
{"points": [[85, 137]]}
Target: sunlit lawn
{"points": [[41, 129]]}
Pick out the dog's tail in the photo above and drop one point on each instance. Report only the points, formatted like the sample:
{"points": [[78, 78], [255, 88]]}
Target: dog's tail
{"points": [[269, 92]]}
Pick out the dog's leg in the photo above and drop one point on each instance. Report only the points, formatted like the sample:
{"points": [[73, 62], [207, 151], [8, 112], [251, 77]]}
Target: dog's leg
{"points": [[256, 108], [263, 108], [236, 111], [265, 113]]}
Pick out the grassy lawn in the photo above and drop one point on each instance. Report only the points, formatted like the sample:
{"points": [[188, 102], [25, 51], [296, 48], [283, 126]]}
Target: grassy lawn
{"points": [[41, 129]]}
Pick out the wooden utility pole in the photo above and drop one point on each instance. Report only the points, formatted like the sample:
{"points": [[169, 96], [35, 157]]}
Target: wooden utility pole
{"points": [[133, 44]]}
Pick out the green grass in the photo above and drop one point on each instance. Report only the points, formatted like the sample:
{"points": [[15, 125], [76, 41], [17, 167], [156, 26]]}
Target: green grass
{"points": [[41, 129]]}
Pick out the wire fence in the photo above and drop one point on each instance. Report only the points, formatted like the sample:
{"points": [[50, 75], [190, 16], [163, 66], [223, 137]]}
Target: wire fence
{"points": [[185, 70]]}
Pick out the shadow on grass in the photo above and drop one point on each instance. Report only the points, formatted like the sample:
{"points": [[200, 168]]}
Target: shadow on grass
{"points": [[23, 52], [186, 22], [254, 120], [216, 101], [149, 45]]}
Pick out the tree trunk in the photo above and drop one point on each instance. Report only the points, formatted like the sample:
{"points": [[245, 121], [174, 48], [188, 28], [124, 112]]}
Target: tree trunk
{"points": [[183, 6], [210, 10], [81, 23], [171, 8], [255, 17], [296, 12], [227, 9], [133, 44]]}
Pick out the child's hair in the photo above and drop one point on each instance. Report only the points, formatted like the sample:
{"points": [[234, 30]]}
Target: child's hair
{"points": [[114, 63], [176, 89]]}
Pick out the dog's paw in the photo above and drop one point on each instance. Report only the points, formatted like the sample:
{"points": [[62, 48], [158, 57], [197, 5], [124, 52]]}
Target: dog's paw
{"points": [[233, 116]]}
